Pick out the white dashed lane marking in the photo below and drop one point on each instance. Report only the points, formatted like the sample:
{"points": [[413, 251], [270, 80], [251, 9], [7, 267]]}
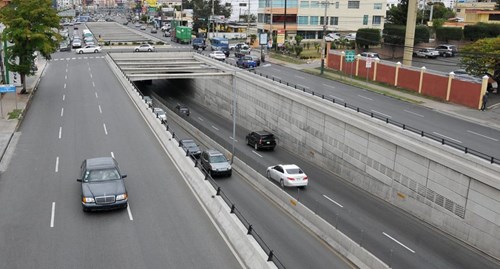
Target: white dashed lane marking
{"points": [[393, 239], [333, 201], [481, 135], [413, 113], [52, 214]]}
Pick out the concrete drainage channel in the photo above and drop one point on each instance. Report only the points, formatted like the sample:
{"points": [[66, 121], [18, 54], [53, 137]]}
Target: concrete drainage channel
{"points": [[324, 230]]}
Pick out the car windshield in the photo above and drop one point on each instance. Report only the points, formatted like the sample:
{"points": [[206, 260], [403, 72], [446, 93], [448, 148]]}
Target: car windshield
{"points": [[101, 175], [294, 171], [266, 137], [217, 159]]}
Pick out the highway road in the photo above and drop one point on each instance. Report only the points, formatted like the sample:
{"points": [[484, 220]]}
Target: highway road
{"points": [[80, 111], [395, 237]]}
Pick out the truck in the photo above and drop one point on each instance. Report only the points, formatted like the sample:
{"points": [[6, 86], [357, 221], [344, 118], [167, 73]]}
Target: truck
{"points": [[180, 33]]}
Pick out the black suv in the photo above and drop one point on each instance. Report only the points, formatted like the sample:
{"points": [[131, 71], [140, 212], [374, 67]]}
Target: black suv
{"points": [[215, 163], [261, 140], [102, 184], [182, 109]]}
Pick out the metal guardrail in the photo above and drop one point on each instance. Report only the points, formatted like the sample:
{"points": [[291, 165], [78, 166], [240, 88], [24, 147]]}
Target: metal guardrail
{"points": [[234, 210], [406, 127]]}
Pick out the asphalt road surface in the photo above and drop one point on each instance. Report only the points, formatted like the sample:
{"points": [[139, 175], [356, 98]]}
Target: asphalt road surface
{"points": [[80, 111]]}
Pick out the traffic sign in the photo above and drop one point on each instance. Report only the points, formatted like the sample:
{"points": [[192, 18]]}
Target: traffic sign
{"points": [[7, 88], [349, 56], [369, 62]]}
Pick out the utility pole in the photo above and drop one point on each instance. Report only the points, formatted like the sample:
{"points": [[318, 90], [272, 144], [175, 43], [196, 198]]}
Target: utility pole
{"points": [[411, 20], [248, 21], [212, 20], [284, 21], [323, 42]]}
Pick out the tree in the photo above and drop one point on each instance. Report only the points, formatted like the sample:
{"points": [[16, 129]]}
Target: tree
{"points": [[481, 57], [366, 37], [31, 25], [203, 10]]}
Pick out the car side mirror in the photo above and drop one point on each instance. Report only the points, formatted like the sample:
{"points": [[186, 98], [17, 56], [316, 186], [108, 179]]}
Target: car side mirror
{"points": [[79, 179], [124, 176]]}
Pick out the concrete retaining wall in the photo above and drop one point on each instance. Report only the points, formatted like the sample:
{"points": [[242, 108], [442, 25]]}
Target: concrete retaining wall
{"points": [[455, 192]]}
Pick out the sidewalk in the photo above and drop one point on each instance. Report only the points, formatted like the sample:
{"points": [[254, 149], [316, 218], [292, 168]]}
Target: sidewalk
{"points": [[10, 102], [489, 118]]}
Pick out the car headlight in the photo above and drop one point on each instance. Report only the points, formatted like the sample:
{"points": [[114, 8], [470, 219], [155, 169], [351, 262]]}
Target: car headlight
{"points": [[88, 200], [120, 197]]}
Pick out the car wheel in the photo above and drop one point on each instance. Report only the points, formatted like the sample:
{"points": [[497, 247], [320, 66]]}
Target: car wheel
{"points": [[149, 50], [96, 51], [248, 142], [136, 50], [80, 52], [282, 183], [85, 209], [445, 55], [256, 146], [268, 175]]}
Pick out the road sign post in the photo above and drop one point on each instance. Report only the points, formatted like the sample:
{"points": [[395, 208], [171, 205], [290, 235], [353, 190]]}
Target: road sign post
{"points": [[349, 58], [368, 66], [6, 89]]}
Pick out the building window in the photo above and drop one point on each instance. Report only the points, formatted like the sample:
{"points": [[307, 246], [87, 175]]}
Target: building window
{"points": [[313, 20], [353, 4], [377, 20], [322, 20], [334, 20], [458, 10], [314, 4], [365, 19], [494, 17], [304, 4], [337, 5], [303, 20], [377, 6]]}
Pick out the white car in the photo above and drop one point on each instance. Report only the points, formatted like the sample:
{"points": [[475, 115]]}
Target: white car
{"points": [[288, 175], [89, 49], [350, 36], [145, 47], [332, 37], [160, 113], [426, 53], [218, 55]]}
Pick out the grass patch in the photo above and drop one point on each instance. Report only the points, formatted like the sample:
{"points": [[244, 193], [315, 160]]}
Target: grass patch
{"points": [[15, 114], [357, 82], [285, 58]]}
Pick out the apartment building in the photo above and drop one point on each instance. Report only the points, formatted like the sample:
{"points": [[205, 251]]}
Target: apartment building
{"points": [[471, 12], [307, 17]]}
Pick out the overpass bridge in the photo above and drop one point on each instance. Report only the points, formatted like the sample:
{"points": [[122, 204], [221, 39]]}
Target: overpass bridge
{"points": [[138, 66]]}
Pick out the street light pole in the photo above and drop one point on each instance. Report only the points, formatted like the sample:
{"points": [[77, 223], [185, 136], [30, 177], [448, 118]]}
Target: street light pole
{"points": [[234, 115], [323, 42], [212, 20]]}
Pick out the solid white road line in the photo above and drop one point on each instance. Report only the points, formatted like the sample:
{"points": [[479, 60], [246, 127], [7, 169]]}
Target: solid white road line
{"points": [[52, 214], [96, 95], [66, 77], [200, 119], [129, 212], [93, 84], [469, 131], [64, 96], [438, 134], [256, 153], [90, 75], [215, 128], [385, 115], [66, 70], [416, 114], [333, 201], [57, 164], [275, 69], [336, 98], [62, 111], [329, 86], [100, 110], [65, 85], [393, 239], [105, 130], [300, 77], [367, 98], [60, 132], [230, 137]]}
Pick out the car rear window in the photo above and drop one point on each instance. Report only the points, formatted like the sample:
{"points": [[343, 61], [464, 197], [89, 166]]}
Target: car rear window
{"points": [[294, 171], [268, 137]]}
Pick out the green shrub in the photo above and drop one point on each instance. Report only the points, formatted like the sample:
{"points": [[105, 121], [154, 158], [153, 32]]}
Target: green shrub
{"points": [[481, 30], [120, 43], [422, 34], [366, 37], [160, 43], [446, 34]]}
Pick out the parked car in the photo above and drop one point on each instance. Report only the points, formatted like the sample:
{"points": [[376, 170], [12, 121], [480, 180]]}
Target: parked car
{"points": [[370, 55], [288, 175], [145, 47], [218, 55], [148, 100], [182, 109], [261, 140], [447, 50], [154, 31], [137, 24], [215, 163], [199, 43], [165, 28], [246, 62], [350, 36], [167, 34], [125, 23], [236, 46], [89, 49], [332, 37], [426, 53], [191, 146], [102, 186], [143, 27], [160, 113]]}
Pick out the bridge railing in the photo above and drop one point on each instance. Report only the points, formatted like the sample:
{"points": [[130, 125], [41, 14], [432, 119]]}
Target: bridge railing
{"points": [[406, 127]]}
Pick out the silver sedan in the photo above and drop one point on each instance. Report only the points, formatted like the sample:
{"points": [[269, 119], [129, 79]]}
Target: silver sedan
{"points": [[144, 47]]}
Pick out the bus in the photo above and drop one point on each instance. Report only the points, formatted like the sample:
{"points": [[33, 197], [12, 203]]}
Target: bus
{"points": [[86, 33], [219, 43]]}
